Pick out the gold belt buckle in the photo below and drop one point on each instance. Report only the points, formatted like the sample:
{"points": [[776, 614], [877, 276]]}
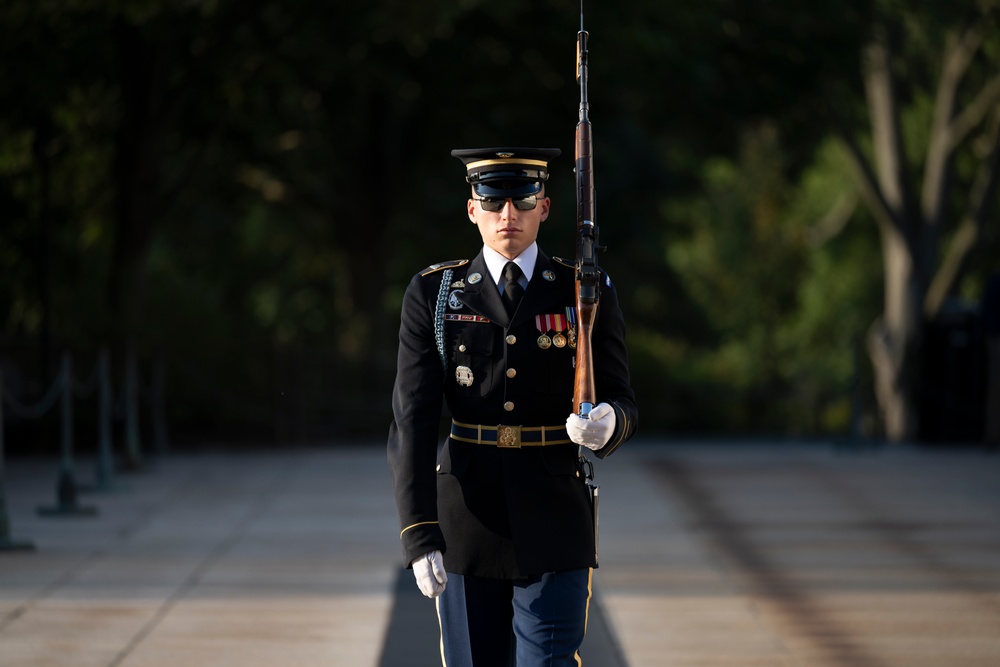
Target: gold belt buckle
{"points": [[509, 437]]}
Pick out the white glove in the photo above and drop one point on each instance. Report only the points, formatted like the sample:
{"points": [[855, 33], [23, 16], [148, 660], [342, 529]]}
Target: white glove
{"points": [[592, 433], [429, 573]]}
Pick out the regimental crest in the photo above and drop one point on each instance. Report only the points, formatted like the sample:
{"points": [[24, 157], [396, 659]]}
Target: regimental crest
{"points": [[453, 301]]}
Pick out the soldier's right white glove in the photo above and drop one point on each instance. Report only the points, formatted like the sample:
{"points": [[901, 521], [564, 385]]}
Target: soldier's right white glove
{"points": [[429, 573]]}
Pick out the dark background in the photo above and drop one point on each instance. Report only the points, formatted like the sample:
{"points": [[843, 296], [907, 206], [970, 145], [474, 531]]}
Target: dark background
{"points": [[241, 191]]}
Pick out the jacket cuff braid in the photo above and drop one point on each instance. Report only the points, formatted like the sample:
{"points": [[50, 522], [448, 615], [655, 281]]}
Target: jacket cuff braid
{"points": [[421, 538], [621, 433]]}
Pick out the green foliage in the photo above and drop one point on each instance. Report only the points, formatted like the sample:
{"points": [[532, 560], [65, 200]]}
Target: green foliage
{"points": [[782, 286], [250, 186]]}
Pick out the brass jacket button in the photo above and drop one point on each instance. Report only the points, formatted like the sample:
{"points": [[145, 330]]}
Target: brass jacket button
{"points": [[508, 406], [511, 372], [461, 348], [511, 339]]}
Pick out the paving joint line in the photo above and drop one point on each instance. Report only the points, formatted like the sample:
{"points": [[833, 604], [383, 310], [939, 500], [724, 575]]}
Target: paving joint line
{"points": [[68, 575], [263, 500]]}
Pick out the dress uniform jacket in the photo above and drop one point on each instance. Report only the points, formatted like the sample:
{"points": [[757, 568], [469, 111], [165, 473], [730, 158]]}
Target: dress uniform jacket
{"points": [[497, 512]]}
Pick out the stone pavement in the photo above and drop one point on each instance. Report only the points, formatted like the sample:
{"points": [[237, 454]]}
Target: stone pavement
{"points": [[712, 554]]}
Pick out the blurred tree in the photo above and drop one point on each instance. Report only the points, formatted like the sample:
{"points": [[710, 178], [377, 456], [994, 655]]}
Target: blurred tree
{"points": [[928, 172], [782, 272], [702, 194]]}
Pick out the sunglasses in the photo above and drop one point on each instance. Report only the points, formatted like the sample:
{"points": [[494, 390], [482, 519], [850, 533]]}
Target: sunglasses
{"points": [[494, 204]]}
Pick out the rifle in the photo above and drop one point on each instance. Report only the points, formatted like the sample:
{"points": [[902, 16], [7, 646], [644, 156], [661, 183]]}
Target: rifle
{"points": [[587, 272]]}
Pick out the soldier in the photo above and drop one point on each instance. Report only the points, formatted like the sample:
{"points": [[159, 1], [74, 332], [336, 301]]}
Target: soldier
{"points": [[498, 525]]}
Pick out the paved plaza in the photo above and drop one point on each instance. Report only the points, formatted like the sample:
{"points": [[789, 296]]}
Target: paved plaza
{"points": [[713, 554]]}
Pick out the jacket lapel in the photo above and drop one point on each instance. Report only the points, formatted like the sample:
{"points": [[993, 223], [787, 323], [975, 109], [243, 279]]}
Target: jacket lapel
{"points": [[482, 296], [542, 295]]}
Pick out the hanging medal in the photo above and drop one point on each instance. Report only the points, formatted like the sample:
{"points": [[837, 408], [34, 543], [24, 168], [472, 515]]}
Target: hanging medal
{"points": [[542, 324], [571, 318], [559, 325]]}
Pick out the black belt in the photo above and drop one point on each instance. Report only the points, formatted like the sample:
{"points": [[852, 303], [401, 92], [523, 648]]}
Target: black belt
{"points": [[510, 437]]}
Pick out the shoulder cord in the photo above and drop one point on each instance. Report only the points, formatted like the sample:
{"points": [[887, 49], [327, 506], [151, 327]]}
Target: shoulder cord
{"points": [[442, 301]]}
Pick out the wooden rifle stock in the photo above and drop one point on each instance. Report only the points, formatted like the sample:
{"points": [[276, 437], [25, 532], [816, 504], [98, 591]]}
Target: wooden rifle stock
{"points": [[584, 393], [587, 273]]}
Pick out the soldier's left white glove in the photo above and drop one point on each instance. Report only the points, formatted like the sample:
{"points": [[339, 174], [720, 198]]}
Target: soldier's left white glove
{"points": [[592, 433]]}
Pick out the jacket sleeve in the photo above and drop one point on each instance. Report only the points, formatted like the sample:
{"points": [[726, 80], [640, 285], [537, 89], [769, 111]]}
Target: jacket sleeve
{"points": [[413, 434], [611, 374]]}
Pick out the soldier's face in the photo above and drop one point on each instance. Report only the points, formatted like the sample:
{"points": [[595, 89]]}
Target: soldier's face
{"points": [[508, 231]]}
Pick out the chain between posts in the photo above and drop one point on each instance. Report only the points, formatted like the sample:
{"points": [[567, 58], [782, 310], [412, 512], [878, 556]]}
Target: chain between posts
{"points": [[65, 387]]}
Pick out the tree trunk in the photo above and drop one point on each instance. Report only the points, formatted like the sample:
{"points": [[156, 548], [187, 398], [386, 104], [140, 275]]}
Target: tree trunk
{"points": [[894, 339]]}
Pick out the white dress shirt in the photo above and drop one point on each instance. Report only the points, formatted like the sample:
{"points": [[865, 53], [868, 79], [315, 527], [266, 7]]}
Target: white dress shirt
{"points": [[525, 261]]}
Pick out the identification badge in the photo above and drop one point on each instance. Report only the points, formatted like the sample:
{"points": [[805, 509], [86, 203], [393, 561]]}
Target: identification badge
{"points": [[453, 301], [463, 375]]}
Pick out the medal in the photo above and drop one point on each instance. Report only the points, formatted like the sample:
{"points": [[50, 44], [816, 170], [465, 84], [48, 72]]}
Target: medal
{"points": [[559, 325], [544, 325], [571, 318]]}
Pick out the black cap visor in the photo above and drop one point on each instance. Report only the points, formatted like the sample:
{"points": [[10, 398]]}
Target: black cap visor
{"points": [[498, 187]]}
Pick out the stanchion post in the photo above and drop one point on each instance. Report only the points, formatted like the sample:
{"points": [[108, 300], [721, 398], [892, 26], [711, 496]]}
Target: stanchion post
{"points": [[105, 458], [133, 453], [6, 542], [160, 442], [66, 491]]}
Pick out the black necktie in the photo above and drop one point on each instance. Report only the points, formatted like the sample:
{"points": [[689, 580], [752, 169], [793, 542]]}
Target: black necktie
{"points": [[512, 290]]}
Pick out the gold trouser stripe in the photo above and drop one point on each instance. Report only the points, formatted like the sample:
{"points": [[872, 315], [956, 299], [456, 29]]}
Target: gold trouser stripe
{"points": [[586, 613], [437, 607]]}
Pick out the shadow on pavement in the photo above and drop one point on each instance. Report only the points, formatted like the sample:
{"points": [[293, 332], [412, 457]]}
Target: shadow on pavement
{"points": [[412, 637]]}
